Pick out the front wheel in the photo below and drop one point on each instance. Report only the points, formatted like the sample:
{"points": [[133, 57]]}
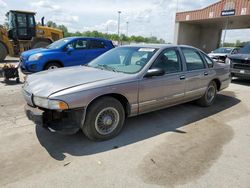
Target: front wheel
{"points": [[104, 119], [3, 52], [210, 95], [52, 65]]}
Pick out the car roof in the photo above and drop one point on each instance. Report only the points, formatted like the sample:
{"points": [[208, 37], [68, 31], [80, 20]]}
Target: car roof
{"points": [[159, 46], [228, 48], [92, 38]]}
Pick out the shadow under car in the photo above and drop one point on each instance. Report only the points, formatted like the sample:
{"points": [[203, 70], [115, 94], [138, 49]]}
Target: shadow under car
{"points": [[135, 129]]}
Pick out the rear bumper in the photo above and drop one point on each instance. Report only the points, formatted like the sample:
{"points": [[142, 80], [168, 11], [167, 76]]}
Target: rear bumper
{"points": [[66, 122]]}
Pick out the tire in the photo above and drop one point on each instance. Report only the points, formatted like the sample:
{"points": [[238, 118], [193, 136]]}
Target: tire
{"points": [[41, 44], [52, 65], [3, 52], [210, 95], [106, 110]]}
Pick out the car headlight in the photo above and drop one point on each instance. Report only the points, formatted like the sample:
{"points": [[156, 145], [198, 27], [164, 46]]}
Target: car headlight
{"points": [[228, 61], [35, 57], [50, 104]]}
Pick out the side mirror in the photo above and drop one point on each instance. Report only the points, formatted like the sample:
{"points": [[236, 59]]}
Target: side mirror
{"points": [[70, 49], [154, 72]]}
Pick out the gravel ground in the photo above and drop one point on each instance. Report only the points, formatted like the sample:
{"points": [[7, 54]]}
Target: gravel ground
{"points": [[183, 146]]}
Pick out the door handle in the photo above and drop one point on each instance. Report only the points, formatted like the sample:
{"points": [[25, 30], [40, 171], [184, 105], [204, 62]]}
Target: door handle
{"points": [[183, 77], [205, 73]]}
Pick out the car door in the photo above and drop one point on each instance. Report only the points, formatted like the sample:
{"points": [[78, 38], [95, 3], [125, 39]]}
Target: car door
{"points": [[95, 49], [159, 92], [76, 53], [196, 74]]}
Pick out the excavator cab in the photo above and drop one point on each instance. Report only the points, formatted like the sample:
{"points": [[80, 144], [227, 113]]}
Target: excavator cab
{"points": [[21, 25]]}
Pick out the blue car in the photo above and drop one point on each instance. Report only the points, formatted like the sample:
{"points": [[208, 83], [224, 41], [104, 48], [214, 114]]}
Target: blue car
{"points": [[66, 52]]}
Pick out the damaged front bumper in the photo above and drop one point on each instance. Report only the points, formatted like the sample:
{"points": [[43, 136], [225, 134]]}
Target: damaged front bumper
{"points": [[65, 122]]}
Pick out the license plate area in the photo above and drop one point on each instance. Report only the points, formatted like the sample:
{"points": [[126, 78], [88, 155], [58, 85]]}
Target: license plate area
{"points": [[242, 71]]}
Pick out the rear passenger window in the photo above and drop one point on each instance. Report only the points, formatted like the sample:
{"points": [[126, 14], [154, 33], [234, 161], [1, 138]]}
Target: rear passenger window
{"points": [[80, 44], [193, 59], [95, 44], [169, 61], [209, 62]]}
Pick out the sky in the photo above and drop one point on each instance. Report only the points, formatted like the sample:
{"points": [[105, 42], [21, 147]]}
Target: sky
{"points": [[144, 17]]}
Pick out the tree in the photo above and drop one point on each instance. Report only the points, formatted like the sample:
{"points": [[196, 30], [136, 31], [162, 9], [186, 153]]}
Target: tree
{"points": [[51, 24], [113, 37], [64, 29]]}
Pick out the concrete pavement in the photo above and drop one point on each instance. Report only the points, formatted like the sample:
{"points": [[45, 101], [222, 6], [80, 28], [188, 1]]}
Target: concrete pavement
{"points": [[183, 146]]}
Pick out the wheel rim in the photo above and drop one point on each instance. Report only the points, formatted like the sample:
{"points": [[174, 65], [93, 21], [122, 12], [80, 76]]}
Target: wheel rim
{"points": [[52, 67], [107, 120], [211, 93]]}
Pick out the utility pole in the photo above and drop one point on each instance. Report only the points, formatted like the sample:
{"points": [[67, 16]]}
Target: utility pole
{"points": [[119, 20], [107, 28], [177, 6], [127, 28], [225, 33]]}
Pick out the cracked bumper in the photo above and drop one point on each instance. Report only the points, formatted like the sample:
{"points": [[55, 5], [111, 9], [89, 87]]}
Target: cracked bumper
{"points": [[66, 122]]}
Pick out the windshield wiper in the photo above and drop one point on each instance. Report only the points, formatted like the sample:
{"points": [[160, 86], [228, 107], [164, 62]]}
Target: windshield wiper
{"points": [[106, 67]]}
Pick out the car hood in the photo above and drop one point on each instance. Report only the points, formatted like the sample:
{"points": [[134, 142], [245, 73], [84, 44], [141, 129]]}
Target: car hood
{"points": [[28, 53], [216, 54], [240, 56], [46, 83]]}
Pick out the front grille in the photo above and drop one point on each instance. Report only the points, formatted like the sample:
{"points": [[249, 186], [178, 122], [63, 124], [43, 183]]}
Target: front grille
{"points": [[242, 66], [241, 61], [22, 62]]}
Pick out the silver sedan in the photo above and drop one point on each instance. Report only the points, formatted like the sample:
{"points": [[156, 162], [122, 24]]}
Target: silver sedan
{"points": [[124, 82]]}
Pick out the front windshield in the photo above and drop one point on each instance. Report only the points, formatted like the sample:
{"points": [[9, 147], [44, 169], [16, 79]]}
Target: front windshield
{"points": [[223, 50], [58, 44], [11, 21], [245, 50], [129, 60]]}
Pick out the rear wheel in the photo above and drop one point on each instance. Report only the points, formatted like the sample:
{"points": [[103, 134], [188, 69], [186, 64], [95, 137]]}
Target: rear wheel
{"points": [[3, 52], [52, 65], [104, 119], [210, 95], [41, 44]]}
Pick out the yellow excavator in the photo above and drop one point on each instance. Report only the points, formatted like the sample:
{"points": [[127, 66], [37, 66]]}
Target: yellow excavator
{"points": [[22, 33]]}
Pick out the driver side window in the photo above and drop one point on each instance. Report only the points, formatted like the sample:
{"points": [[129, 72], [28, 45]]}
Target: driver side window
{"points": [[169, 61], [80, 44]]}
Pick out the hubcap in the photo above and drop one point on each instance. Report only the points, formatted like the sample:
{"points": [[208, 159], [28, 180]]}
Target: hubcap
{"points": [[211, 93], [53, 67], [107, 120]]}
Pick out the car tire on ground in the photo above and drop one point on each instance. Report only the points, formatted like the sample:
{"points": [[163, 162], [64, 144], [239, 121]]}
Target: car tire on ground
{"points": [[52, 65], [3, 52], [104, 119], [209, 97], [41, 44]]}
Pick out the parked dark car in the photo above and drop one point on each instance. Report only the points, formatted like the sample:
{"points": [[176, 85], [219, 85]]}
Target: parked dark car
{"points": [[220, 54], [124, 82], [240, 63], [64, 53]]}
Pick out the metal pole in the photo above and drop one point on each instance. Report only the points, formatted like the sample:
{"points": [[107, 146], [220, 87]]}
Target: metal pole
{"points": [[225, 33], [177, 6], [127, 28], [119, 17]]}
